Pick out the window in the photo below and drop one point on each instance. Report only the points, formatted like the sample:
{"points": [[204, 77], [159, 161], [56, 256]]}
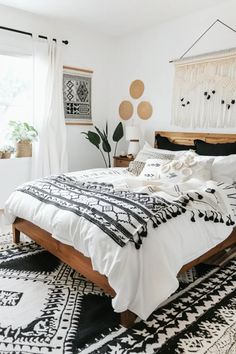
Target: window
{"points": [[16, 92]]}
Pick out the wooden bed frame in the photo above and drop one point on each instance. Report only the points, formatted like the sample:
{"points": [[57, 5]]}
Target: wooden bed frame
{"points": [[83, 265]]}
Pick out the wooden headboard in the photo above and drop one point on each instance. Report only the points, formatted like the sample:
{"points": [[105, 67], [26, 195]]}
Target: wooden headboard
{"points": [[188, 138]]}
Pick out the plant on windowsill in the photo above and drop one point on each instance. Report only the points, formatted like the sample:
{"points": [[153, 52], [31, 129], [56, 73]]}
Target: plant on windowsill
{"points": [[22, 134], [6, 151], [100, 140]]}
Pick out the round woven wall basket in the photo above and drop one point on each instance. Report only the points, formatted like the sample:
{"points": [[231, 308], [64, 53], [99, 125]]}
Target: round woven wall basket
{"points": [[23, 149]]}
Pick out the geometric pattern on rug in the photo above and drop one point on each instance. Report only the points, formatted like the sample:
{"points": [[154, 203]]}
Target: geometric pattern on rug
{"points": [[200, 318], [5, 237], [49, 316], [54, 309]]}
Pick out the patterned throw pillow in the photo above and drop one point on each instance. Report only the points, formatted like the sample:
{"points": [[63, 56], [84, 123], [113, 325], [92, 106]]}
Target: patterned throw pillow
{"points": [[151, 169], [147, 152], [136, 167], [185, 166]]}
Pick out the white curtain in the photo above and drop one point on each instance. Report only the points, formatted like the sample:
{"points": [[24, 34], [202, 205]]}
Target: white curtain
{"points": [[49, 152], [205, 92]]}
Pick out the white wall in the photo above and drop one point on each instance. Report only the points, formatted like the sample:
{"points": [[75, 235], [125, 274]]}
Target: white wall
{"points": [[146, 56], [89, 50], [13, 172], [86, 50]]}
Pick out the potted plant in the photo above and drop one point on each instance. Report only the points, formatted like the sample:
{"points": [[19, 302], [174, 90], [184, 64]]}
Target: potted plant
{"points": [[22, 134], [6, 151], [101, 141]]}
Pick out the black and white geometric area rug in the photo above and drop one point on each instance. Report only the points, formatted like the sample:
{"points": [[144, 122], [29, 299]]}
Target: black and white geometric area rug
{"points": [[46, 307]]}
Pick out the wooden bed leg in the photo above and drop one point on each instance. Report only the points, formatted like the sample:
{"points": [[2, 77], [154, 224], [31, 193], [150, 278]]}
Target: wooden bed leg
{"points": [[127, 318], [16, 234]]}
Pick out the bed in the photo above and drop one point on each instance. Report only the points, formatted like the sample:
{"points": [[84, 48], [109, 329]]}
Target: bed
{"points": [[81, 262]]}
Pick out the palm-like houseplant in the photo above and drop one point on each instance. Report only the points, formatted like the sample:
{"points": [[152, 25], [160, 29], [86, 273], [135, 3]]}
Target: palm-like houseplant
{"points": [[100, 139]]}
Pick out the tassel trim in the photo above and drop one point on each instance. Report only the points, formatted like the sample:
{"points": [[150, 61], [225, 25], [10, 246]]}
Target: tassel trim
{"points": [[178, 207]]}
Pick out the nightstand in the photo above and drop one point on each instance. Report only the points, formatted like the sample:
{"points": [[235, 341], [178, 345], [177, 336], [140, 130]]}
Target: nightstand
{"points": [[121, 161]]}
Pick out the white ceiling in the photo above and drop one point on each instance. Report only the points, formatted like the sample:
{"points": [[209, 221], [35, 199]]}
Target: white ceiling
{"points": [[113, 17]]}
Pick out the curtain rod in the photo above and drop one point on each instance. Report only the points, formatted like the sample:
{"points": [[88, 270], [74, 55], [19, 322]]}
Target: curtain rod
{"points": [[200, 37], [29, 34]]}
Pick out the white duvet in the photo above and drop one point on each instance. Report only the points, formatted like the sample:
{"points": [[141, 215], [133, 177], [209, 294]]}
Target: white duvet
{"points": [[144, 278]]}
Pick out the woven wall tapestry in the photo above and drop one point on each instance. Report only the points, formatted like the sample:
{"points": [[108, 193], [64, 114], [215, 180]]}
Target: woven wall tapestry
{"points": [[77, 95], [205, 92]]}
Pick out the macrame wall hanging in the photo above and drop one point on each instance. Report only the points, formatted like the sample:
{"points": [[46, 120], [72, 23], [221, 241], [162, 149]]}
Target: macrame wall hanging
{"points": [[205, 89]]}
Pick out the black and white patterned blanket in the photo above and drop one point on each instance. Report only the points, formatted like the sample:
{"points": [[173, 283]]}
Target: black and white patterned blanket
{"points": [[125, 215]]}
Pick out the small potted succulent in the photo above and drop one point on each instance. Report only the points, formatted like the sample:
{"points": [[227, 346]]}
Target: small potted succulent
{"points": [[6, 151], [23, 134]]}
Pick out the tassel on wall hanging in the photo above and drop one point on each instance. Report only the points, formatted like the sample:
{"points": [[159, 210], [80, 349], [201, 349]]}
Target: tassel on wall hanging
{"points": [[205, 89]]}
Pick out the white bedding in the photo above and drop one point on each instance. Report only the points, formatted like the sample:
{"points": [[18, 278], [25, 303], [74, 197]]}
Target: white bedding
{"points": [[142, 278]]}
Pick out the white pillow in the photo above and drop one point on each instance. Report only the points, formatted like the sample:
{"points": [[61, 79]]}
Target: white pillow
{"points": [[186, 165], [151, 169], [148, 152], [224, 169]]}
